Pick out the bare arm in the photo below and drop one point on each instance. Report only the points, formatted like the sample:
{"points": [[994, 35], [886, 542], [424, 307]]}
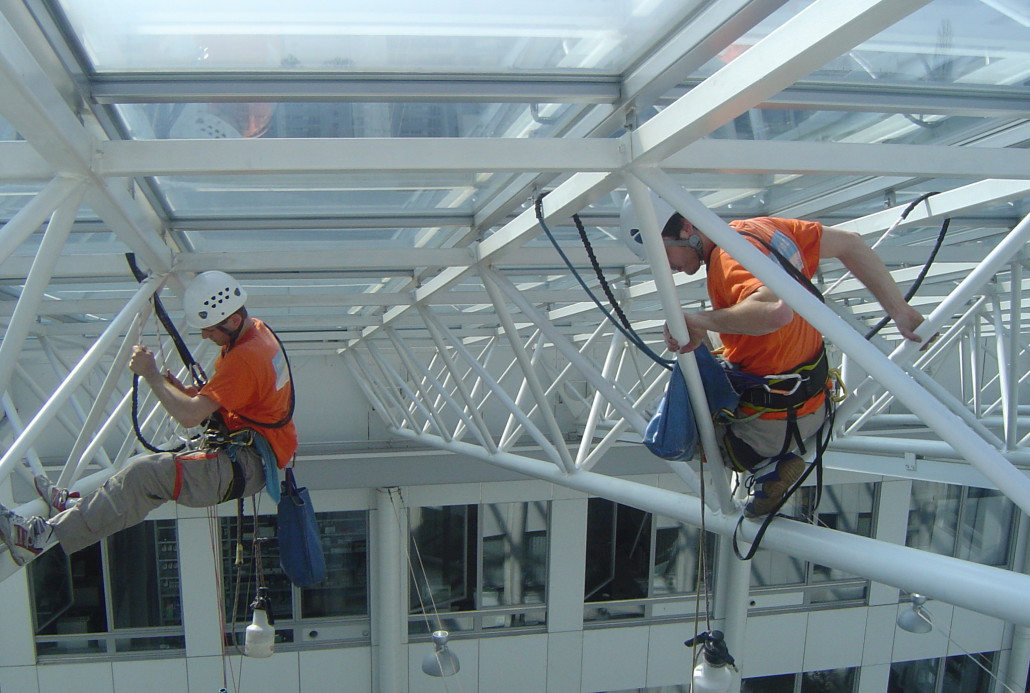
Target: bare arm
{"points": [[762, 312], [189, 410], [866, 265]]}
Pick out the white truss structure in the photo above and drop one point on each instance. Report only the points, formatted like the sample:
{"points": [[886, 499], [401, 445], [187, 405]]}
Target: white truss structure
{"points": [[533, 378]]}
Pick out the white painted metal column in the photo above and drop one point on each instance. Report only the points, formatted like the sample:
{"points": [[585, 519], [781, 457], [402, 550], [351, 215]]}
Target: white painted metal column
{"points": [[388, 595]]}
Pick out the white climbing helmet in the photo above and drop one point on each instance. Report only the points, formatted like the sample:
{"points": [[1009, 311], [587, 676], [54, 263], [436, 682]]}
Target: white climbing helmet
{"points": [[630, 227], [212, 297]]}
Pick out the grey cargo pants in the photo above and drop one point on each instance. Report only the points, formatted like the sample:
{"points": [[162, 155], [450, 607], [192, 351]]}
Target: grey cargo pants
{"points": [[196, 479]]}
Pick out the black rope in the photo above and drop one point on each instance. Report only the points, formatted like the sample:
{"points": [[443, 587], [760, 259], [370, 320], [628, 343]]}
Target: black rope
{"points": [[626, 330], [196, 372], [923, 272]]}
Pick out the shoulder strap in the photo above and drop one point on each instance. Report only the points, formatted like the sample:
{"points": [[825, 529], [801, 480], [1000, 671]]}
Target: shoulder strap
{"points": [[787, 265]]}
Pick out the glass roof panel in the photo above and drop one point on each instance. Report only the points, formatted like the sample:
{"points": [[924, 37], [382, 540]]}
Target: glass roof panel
{"points": [[323, 239], [945, 42], [478, 36], [7, 131], [340, 119], [306, 196]]}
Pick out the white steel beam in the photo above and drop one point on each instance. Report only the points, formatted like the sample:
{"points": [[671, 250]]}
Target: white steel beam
{"points": [[948, 579], [36, 283], [46, 414], [38, 112], [810, 39]]}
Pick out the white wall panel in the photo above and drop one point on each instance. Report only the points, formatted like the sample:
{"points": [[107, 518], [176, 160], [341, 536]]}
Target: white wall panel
{"points": [[154, 676], [82, 678], [834, 639], [614, 659], [773, 645], [669, 661], [881, 625], [330, 670], [513, 665], [564, 662], [19, 680]]}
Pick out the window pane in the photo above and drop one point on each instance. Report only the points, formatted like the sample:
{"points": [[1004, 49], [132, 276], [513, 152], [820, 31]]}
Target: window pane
{"points": [[913, 677], [770, 568], [443, 556], [768, 684], [933, 517], [829, 681], [514, 553], [240, 582], [676, 558], [144, 570], [968, 674], [987, 521], [345, 589], [618, 551]]}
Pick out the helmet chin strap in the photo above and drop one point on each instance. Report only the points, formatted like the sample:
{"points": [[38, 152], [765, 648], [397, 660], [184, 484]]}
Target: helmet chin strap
{"points": [[231, 334]]}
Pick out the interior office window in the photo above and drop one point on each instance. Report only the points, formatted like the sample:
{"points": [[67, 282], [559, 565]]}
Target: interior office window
{"points": [[488, 559], [829, 681], [768, 684], [341, 596], [632, 555], [958, 674], [844, 507], [970, 523], [119, 595], [618, 562]]}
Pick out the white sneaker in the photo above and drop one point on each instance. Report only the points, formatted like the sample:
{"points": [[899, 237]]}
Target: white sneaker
{"points": [[26, 537], [57, 499]]}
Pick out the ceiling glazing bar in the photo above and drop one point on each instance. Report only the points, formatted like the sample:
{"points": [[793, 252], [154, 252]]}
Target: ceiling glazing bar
{"points": [[375, 88]]}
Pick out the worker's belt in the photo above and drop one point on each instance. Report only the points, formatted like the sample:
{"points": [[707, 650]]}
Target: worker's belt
{"points": [[218, 437], [784, 391]]}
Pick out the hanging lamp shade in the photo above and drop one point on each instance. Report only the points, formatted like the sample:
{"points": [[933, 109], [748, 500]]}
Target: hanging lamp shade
{"points": [[917, 619], [441, 661]]}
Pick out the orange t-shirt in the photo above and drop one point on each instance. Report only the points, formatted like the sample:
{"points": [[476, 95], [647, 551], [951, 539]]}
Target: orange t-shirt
{"points": [[252, 379], [730, 283]]}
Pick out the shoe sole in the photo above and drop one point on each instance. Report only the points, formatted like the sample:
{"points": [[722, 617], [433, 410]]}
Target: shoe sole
{"points": [[789, 472]]}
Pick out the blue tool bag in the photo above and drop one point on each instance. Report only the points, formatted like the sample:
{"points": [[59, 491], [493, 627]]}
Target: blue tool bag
{"points": [[300, 545], [672, 432]]}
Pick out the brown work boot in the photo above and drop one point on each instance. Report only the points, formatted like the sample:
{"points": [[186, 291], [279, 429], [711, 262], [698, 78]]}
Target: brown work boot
{"points": [[772, 487]]}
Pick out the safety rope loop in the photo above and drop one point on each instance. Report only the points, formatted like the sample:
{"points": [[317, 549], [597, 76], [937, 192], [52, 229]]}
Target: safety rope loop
{"points": [[626, 329]]}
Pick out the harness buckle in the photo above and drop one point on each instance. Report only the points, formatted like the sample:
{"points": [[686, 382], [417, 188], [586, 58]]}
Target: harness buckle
{"points": [[796, 377]]}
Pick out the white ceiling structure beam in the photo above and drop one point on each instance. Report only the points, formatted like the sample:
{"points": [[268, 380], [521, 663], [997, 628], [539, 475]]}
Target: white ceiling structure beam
{"points": [[952, 580], [455, 154], [806, 42], [475, 88], [36, 110]]}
